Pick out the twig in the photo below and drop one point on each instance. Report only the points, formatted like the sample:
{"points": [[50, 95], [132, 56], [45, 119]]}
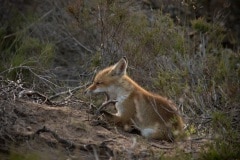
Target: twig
{"points": [[69, 91], [95, 152], [161, 146], [30, 69], [79, 43], [31, 93], [104, 105]]}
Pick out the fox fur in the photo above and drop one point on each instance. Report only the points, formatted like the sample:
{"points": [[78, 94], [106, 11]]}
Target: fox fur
{"points": [[153, 115]]}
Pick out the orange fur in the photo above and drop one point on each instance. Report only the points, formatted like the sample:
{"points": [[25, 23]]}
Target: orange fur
{"points": [[155, 116]]}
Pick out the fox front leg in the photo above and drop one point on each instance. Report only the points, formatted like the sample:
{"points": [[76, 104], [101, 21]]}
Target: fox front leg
{"points": [[114, 119], [104, 105], [111, 118]]}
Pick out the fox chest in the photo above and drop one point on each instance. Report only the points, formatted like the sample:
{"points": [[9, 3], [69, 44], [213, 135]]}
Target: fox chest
{"points": [[120, 105], [124, 106], [120, 109]]}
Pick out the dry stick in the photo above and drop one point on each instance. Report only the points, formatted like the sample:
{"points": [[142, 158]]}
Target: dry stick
{"points": [[79, 43], [104, 105], [69, 91], [87, 49], [48, 100], [160, 146], [30, 69], [30, 93], [95, 152], [42, 78]]}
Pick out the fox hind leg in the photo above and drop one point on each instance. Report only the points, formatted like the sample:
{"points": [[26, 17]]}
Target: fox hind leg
{"points": [[153, 133]]}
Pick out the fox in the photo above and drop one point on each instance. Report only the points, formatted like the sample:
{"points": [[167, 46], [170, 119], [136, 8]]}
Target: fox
{"points": [[154, 116]]}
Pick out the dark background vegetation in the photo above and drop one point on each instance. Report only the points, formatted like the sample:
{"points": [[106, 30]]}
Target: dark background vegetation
{"points": [[187, 51]]}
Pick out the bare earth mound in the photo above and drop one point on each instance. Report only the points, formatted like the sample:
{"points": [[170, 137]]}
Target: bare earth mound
{"points": [[44, 131]]}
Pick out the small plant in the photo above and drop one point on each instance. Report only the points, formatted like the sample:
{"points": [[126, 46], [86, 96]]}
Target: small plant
{"points": [[23, 156], [191, 130], [201, 25], [226, 140], [20, 52]]}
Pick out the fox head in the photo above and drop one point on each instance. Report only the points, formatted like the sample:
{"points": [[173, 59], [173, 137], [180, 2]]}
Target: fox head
{"points": [[108, 77]]}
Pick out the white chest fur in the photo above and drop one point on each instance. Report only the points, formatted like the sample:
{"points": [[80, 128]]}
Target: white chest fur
{"points": [[119, 104]]}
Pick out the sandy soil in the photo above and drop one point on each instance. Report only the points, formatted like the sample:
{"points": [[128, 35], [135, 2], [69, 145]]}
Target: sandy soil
{"points": [[65, 132]]}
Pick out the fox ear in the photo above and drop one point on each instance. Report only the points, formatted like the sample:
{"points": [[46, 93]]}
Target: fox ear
{"points": [[120, 68]]}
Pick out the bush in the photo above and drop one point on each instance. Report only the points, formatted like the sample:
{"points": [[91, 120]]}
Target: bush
{"points": [[226, 141], [22, 53]]}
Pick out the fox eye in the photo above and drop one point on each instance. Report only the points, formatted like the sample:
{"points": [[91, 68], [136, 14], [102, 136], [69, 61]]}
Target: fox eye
{"points": [[97, 83]]}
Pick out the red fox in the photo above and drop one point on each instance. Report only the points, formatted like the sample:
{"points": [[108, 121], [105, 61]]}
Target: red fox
{"points": [[154, 116]]}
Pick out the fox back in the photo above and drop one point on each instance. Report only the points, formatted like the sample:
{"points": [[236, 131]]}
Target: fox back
{"points": [[155, 116]]}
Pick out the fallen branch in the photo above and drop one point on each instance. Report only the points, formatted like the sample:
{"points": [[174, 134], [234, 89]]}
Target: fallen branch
{"points": [[70, 91], [30, 93], [161, 146], [30, 70]]}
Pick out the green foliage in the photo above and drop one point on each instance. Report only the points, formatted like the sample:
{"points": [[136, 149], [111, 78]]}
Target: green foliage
{"points": [[201, 25], [96, 60], [215, 32], [220, 150], [222, 69], [21, 156], [152, 38], [179, 156], [119, 16], [26, 52], [19, 50], [191, 130], [221, 124], [225, 145], [172, 81], [32, 52]]}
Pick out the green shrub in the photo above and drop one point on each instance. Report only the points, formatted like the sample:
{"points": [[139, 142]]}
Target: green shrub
{"points": [[21, 156], [172, 82], [201, 25], [26, 52], [226, 140], [20, 51]]}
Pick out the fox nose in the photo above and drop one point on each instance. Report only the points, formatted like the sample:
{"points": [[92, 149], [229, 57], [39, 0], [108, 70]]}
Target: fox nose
{"points": [[87, 92]]}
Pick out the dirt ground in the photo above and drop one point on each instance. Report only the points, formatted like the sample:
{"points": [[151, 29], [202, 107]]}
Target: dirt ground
{"points": [[38, 131]]}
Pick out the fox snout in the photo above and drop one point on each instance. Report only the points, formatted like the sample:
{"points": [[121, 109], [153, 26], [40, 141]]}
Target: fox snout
{"points": [[88, 91], [93, 88]]}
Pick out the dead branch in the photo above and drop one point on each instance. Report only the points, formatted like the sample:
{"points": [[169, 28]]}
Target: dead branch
{"points": [[70, 91], [79, 43], [104, 105], [30, 70], [31, 93], [161, 146]]}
